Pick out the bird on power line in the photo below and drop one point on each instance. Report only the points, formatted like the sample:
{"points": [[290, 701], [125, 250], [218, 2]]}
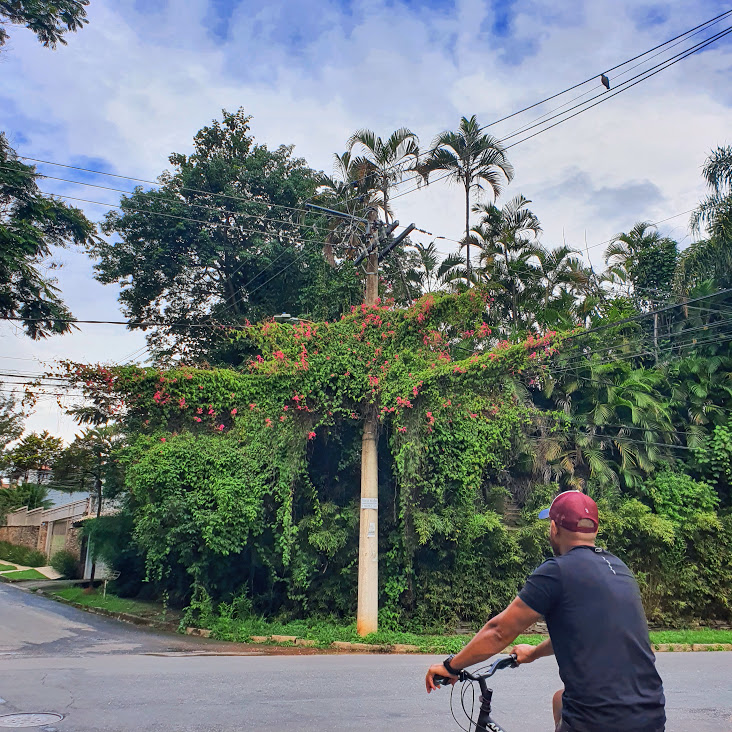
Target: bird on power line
{"points": [[605, 81]]}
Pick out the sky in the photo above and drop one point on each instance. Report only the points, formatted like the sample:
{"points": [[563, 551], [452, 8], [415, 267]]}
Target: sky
{"points": [[144, 75]]}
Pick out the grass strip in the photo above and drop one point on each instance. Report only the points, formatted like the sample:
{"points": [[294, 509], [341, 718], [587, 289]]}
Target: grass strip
{"points": [[24, 574], [114, 604], [7, 567], [326, 632]]}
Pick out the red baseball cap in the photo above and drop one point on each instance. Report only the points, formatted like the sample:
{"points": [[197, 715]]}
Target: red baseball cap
{"points": [[574, 511]]}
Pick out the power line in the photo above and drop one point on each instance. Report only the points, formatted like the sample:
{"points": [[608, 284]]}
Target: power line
{"points": [[644, 77], [614, 68], [640, 316], [629, 357], [180, 202], [619, 345], [647, 74], [689, 33]]}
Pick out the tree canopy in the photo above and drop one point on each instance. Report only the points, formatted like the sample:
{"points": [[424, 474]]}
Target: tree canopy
{"points": [[50, 20], [31, 226], [202, 249]]}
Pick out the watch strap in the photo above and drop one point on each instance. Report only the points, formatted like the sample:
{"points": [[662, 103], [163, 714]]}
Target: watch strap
{"points": [[448, 666]]}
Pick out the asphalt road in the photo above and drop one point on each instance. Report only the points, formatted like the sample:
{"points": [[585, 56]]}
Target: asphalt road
{"points": [[105, 676]]}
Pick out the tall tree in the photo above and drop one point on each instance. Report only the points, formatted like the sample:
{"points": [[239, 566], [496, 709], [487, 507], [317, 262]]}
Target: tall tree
{"points": [[221, 241], [33, 453], [48, 19], [382, 163], [472, 159], [31, 225]]}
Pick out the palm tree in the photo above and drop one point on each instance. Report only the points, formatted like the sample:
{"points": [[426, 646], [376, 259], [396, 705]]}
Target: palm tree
{"points": [[476, 161], [348, 191], [561, 271], [715, 211], [619, 426], [711, 259], [380, 164], [436, 274], [507, 238]]}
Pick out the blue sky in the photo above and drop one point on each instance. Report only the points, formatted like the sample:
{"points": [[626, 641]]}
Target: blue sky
{"points": [[145, 75]]}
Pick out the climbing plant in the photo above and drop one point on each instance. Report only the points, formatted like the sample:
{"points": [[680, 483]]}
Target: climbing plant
{"points": [[233, 483]]}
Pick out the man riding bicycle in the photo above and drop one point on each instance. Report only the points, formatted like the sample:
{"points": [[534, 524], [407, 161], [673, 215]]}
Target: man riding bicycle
{"points": [[597, 630]]}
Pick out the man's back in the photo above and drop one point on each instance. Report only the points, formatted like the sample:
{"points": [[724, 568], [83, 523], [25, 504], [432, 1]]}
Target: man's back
{"points": [[598, 629]]}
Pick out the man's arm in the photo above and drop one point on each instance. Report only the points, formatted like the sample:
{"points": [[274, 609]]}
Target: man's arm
{"points": [[493, 637]]}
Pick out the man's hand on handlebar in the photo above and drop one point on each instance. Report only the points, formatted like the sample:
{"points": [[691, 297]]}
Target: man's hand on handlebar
{"points": [[437, 670], [524, 653]]}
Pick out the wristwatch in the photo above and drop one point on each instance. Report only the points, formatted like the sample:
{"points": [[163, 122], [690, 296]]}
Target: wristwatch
{"points": [[448, 667]]}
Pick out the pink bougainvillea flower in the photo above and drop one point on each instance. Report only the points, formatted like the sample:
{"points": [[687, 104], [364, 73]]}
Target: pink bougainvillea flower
{"points": [[211, 410], [182, 402], [189, 377], [252, 406], [311, 435], [233, 412], [198, 419], [283, 418], [199, 410], [268, 422], [162, 439], [220, 428], [285, 407], [402, 429], [200, 386], [279, 355]]}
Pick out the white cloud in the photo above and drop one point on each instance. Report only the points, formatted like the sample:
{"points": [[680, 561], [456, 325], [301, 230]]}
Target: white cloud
{"points": [[137, 83]]}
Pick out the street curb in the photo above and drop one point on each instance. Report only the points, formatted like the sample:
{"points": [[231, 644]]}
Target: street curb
{"points": [[124, 617], [291, 640]]}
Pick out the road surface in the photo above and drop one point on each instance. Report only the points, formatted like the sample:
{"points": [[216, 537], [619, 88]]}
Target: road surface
{"points": [[105, 676]]}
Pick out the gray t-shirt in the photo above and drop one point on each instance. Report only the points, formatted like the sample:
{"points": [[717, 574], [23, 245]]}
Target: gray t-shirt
{"points": [[593, 610]]}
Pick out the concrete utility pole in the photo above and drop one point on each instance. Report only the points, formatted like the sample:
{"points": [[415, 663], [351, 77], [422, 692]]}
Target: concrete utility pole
{"points": [[367, 614]]}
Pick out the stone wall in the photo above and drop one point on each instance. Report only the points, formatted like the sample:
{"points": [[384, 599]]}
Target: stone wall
{"points": [[73, 541], [42, 536], [20, 535]]}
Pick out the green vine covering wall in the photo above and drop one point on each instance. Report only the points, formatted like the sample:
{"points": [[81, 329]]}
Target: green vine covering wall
{"points": [[248, 480]]}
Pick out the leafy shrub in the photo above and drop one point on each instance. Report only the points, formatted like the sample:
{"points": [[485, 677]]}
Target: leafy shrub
{"points": [[66, 563], [21, 555], [677, 496]]}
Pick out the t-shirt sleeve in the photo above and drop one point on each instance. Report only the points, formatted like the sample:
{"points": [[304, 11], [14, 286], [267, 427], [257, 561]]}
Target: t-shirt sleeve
{"points": [[543, 588]]}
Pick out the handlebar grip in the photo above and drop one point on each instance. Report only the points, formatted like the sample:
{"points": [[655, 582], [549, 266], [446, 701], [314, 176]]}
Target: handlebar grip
{"points": [[441, 680]]}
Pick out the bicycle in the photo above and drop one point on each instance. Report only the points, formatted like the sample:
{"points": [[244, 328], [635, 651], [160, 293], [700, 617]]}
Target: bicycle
{"points": [[484, 722]]}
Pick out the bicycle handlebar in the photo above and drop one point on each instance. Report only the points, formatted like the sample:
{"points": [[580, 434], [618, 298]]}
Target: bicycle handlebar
{"points": [[464, 675]]}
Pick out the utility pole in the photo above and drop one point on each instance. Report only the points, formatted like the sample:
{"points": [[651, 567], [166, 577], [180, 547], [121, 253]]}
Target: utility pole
{"points": [[367, 614]]}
